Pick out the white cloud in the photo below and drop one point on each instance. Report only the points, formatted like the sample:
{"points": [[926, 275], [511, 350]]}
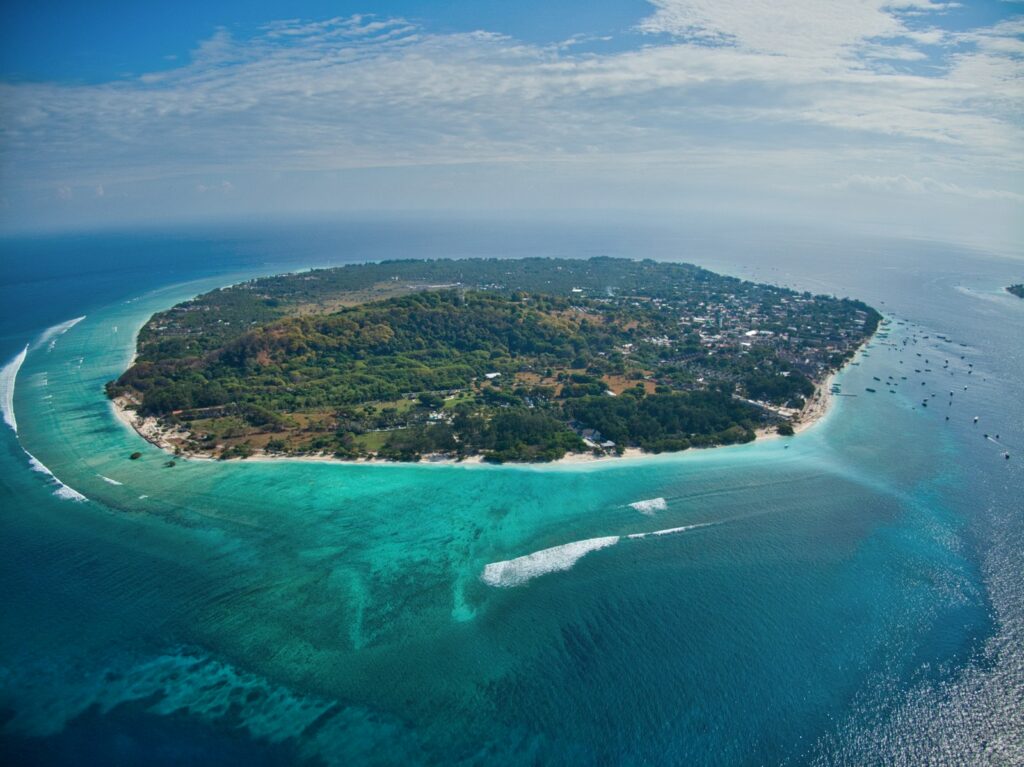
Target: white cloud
{"points": [[905, 185], [224, 187], [787, 27], [793, 89], [771, 27]]}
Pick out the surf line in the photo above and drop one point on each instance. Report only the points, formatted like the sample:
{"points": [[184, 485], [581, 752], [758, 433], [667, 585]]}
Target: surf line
{"points": [[515, 572], [62, 490], [9, 372], [53, 333], [650, 506], [8, 376], [8, 381]]}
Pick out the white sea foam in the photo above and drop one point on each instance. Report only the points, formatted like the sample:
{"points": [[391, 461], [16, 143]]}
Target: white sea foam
{"points": [[515, 572], [108, 479], [8, 375], [68, 493], [62, 490], [51, 334], [672, 530], [650, 506]]}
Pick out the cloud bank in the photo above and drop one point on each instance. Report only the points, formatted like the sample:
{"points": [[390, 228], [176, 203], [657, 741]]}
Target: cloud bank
{"points": [[722, 100]]}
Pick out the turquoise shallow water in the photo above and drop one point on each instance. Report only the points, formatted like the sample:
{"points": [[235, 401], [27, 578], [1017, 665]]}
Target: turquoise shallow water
{"points": [[851, 598]]}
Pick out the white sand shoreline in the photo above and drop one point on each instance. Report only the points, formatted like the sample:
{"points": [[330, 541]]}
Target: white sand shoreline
{"points": [[151, 430], [814, 411]]}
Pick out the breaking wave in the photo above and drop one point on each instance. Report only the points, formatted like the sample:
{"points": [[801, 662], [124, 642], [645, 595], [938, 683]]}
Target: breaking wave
{"points": [[650, 506], [8, 375], [515, 572], [9, 372], [8, 378], [62, 490], [672, 530], [109, 480], [51, 334]]}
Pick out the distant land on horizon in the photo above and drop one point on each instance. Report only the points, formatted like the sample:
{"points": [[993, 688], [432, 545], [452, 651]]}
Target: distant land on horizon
{"points": [[508, 360]]}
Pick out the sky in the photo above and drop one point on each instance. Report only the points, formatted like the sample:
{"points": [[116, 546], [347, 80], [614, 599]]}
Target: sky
{"points": [[888, 116]]}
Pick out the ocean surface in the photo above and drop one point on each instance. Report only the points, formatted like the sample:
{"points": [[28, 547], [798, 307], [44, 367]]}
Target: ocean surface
{"points": [[851, 596]]}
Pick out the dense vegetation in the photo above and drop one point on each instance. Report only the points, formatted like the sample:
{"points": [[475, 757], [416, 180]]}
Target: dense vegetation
{"points": [[434, 341], [515, 360]]}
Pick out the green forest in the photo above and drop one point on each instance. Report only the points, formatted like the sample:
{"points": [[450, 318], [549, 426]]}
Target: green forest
{"points": [[512, 360]]}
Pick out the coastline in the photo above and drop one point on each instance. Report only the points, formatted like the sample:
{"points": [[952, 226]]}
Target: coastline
{"points": [[762, 420], [815, 409], [150, 430]]}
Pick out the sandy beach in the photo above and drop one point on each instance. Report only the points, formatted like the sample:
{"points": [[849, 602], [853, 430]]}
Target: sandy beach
{"points": [[162, 437]]}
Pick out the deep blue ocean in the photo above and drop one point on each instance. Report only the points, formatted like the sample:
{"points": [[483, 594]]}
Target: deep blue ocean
{"points": [[851, 596]]}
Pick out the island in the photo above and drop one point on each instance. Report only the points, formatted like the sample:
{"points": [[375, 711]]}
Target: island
{"points": [[520, 360], [1017, 290]]}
